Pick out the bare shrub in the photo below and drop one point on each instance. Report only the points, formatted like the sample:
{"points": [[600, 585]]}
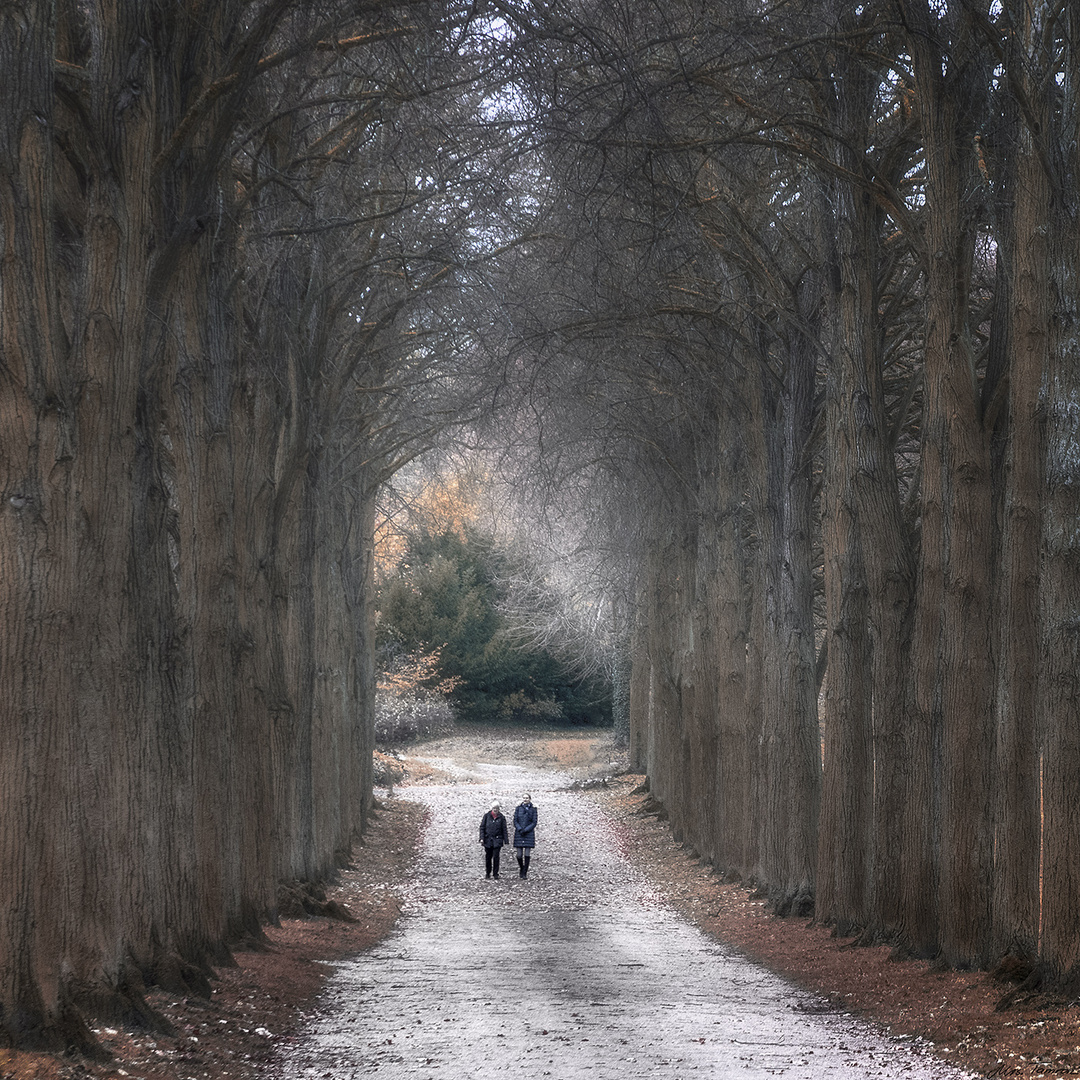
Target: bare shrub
{"points": [[411, 700]]}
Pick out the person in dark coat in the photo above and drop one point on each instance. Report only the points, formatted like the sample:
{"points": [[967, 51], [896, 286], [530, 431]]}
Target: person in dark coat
{"points": [[493, 835], [524, 834]]}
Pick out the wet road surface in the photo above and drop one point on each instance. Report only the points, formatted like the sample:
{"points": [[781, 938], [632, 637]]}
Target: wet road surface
{"points": [[579, 971]]}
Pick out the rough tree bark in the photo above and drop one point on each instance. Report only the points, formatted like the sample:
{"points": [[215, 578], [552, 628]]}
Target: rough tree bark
{"points": [[948, 836], [1060, 598], [36, 430], [1024, 242], [845, 840], [868, 578], [733, 842], [789, 767]]}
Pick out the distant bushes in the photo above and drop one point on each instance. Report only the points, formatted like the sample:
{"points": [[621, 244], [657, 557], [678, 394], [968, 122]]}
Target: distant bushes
{"points": [[520, 708], [399, 720], [442, 600], [411, 700]]}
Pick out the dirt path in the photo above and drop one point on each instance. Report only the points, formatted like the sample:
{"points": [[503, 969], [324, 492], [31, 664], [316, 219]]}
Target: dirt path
{"points": [[580, 970]]}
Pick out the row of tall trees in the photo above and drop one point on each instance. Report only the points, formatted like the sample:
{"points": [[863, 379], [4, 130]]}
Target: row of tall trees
{"points": [[814, 339], [227, 233]]}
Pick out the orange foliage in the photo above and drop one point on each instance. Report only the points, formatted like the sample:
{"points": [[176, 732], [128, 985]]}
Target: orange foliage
{"points": [[451, 503], [414, 674], [446, 503], [390, 545]]}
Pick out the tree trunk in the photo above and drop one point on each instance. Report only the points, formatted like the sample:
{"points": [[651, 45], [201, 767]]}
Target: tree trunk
{"points": [[1060, 600], [947, 871], [733, 764], [704, 825], [868, 577], [1025, 242], [640, 687], [671, 596], [845, 840], [790, 765], [36, 544]]}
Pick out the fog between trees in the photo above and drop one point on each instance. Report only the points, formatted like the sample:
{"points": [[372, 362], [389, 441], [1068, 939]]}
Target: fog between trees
{"points": [[777, 303]]}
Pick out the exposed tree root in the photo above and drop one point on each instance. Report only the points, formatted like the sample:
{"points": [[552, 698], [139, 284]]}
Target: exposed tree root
{"points": [[124, 1005], [903, 951], [303, 899], [1013, 968], [173, 973], [1029, 987], [66, 1032], [847, 928], [872, 937], [799, 904]]}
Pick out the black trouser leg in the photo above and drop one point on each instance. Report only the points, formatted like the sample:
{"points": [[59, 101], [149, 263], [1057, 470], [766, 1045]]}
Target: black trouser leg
{"points": [[495, 853], [487, 861]]}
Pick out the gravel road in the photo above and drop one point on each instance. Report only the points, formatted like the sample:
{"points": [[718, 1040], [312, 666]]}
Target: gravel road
{"points": [[579, 971]]}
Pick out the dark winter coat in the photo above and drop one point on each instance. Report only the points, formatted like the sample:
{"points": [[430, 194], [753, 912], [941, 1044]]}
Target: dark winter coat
{"points": [[525, 826], [493, 830]]}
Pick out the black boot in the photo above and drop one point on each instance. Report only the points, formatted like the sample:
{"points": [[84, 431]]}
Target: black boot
{"points": [[521, 866], [525, 867]]}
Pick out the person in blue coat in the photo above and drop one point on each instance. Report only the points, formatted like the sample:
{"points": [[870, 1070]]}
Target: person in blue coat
{"points": [[492, 836], [524, 834]]}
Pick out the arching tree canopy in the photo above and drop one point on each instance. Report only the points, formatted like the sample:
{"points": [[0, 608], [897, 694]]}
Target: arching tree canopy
{"points": [[771, 307]]}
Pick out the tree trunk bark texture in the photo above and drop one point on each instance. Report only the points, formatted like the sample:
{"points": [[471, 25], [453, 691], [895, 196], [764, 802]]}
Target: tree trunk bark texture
{"points": [[1018, 828], [868, 577], [950, 850], [1059, 601], [730, 737]]}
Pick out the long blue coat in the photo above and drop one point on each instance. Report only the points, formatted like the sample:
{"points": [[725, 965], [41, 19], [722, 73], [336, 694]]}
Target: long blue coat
{"points": [[525, 826]]}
